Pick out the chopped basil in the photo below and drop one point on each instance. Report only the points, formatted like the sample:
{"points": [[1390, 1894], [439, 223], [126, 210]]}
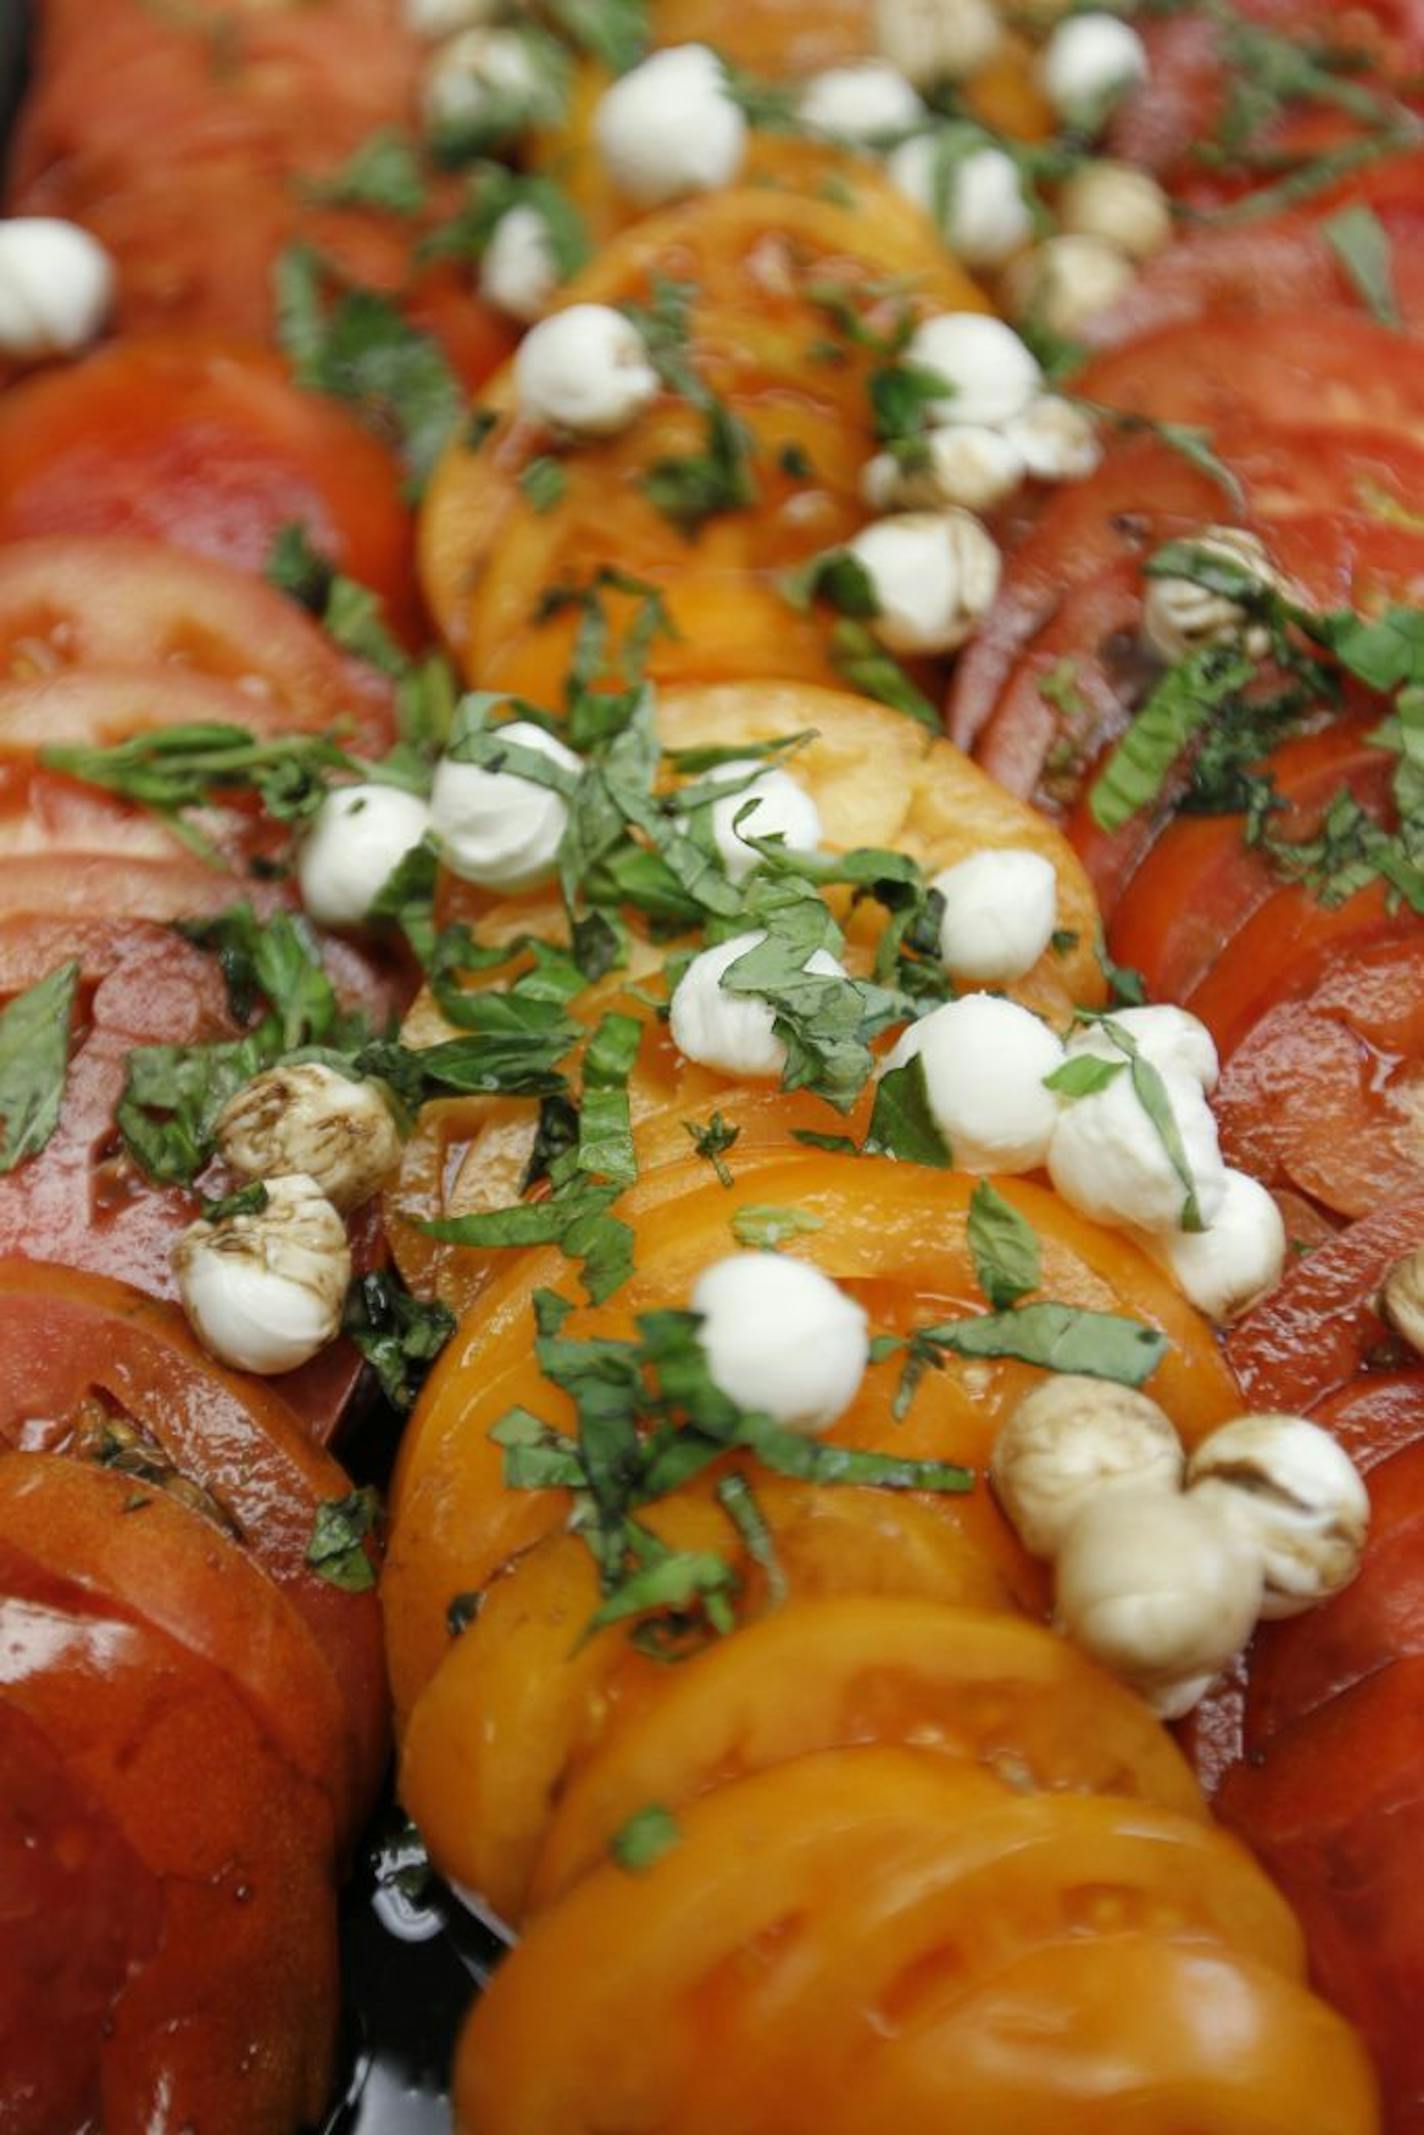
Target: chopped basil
{"points": [[1083, 1075], [1004, 1247], [833, 1144], [863, 662], [337, 1550], [544, 482], [175, 768], [1103, 1345], [34, 1061], [738, 1500], [640, 1843], [1189, 441], [614, 32], [245, 1201], [1152, 1094], [1126, 988], [384, 172], [1184, 702], [500, 112], [691, 488], [902, 1124], [836, 576], [766, 1229], [811, 1460], [795, 461], [492, 193], [400, 1336], [1360, 242], [712, 1141]]}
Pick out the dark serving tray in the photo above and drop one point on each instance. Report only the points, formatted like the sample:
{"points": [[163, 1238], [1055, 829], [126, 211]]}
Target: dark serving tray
{"points": [[412, 1957]]}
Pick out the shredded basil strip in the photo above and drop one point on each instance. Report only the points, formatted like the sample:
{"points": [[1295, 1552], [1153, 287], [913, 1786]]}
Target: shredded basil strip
{"points": [[639, 1844], [902, 1124], [1004, 1248], [34, 1062], [1181, 705]]}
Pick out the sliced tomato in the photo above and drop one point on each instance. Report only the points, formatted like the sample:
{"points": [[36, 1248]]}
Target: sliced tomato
{"points": [[230, 2022], [1298, 1666], [80, 1909], [114, 602], [208, 446], [1377, 1415], [1335, 1809], [70, 1340], [1323, 1093], [1311, 1336]]}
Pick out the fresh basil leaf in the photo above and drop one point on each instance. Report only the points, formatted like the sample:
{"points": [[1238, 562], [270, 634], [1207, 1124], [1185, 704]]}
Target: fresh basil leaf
{"points": [[337, 1549], [1004, 1248], [641, 1843], [1101, 1345], [836, 576], [34, 1062], [766, 1229], [384, 172], [544, 482], [244, 1201], [1083, 1075], [738, 1500], [833, 1144], [1361, 243], [605, 1136], [902, 1124], [614, 32], [400, 1336], [811, 1460], [1184, 702], [712, 1141], [862, 661], [676, 1582]]}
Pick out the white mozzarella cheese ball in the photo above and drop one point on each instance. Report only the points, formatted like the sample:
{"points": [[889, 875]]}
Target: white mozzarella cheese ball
{"points": [[985, 1060], [990, 375], [358, 837], [1291, 1491], [1107, 1158], [56, 287], [485, 75], [1179, 617], [518, 273], [735, 1033], [780, 808], [584, 370], [1088, 65], [982, 214], [965, 465], [305, 1117], [934, 41], [494, 827], [1122, 206], [1174, 1041], [1057, 441], [1158, 1588], [442, 18], [1067, 282], [671, 127], [1000, 909], [863, 102], [264, 1291], [781, 1337], [933, 575], [1236, 1261], [1068, 1441]]}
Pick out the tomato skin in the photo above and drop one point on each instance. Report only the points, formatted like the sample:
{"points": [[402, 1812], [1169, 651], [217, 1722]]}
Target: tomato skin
{"points": [[65, 1337], [1309, 1338], [207, 446], [1379, 1414]]}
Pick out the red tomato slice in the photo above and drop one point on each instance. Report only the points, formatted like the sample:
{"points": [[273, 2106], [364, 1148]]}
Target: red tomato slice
{"points": [[1377, 1416], [113, 602], [67, 1340], [207, 446], [1312, 1335], [80, 1909], [1298, 1666], [94, 707], [1336, 1812], [230, 2022]]}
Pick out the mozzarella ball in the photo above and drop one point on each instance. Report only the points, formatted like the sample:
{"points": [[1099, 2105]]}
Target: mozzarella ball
{"points": [[1000, 909], [1107, 1158], [1402, 1299], [780, 1337], [934, 576], [989, 374], [862, 102], [56, 287], [1088, 65], [442, 18], [1056, 441], [1067, 282], [735, 1033], [485, 77], [494, 827], [518, 273], [780, 808], [671, 127], [934, 41], [1291, 1492], [1170, 1039], [966, 465], [984, 1064], [584, 370], [1120, 205], [1180, 617], [1156, 1587], [983, 216], [307, 1118], [358, 838], [264, 1292], [1236, 1261], [1068, 1441]]}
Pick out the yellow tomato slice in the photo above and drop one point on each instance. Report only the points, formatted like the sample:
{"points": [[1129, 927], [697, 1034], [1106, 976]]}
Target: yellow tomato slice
{"points": [[893, 1233], [518, 1703]]}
